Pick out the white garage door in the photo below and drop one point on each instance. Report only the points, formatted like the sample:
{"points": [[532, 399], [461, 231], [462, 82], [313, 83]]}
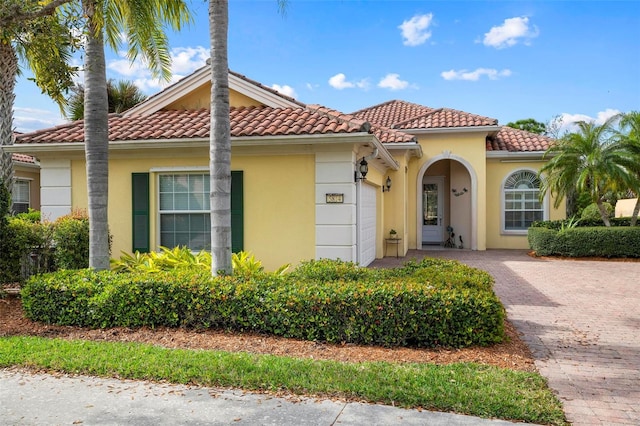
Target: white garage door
{"points": [[367, 225]]}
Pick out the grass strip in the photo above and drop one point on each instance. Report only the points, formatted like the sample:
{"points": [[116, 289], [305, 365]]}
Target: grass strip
{"points": [[465, 388]]}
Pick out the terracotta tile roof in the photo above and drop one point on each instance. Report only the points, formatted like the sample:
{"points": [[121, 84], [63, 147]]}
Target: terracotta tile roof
{"points": [[515, 140], [406, 115], [384, 134], [187, 124], [23, 158]]}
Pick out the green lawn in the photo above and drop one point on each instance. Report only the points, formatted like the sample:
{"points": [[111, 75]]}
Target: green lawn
{"points": [[467, 388]]}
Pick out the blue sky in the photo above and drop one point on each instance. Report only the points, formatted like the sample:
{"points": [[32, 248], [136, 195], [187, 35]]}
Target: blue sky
{"points": [[506, 60]]}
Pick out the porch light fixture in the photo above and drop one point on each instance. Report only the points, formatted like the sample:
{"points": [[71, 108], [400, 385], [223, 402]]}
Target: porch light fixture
{"points": [[457, 194], [387, 186], [362, 171]]}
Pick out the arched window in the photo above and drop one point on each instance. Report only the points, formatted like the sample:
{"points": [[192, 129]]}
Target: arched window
{"points": [[522, 204]]}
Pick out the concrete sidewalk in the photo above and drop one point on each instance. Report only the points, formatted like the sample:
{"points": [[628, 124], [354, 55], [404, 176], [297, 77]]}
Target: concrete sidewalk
{"points": [[44, 399]]}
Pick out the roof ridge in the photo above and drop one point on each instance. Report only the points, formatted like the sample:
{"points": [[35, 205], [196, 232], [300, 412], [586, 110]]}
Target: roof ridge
{"points": [[262, 86], [349, 119], [426, 114], [376, 106]]}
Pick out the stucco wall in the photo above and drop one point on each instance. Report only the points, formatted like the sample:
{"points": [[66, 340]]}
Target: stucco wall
{"points": [[201, 98], [279, 202], [497, 172]]}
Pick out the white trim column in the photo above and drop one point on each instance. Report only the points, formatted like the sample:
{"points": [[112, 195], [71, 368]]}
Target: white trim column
{"points": [[55, 188], [335, 221]]}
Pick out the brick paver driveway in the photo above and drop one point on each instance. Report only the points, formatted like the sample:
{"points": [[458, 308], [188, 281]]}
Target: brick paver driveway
{"points": [[581, 320]]}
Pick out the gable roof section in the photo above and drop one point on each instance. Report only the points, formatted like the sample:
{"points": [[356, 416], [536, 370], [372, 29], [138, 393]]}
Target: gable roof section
{"points": [[515, 140], [194, 124], [201, 77], [409, 116]]}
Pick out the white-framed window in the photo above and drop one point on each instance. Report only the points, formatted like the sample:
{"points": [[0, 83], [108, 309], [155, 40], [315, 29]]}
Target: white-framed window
{"points": [[184, 210], [21, 194], [521, 204]]}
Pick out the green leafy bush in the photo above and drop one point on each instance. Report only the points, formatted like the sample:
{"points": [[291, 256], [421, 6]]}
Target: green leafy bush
{"points": [[431, 303], [8, 259], [585, 242], [582, 223], [591, 212], [71, 234]]}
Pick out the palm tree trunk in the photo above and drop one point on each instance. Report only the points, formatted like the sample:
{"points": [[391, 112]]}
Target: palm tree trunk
{"points": [[603, 213], [636, 211], [8, 72], [219, 140], [96, 141]]}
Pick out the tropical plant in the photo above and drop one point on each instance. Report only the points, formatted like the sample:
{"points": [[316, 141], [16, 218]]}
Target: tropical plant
{"points": [[141, 23], [30, 30], [121, 96], [588, 161], [630, 137]]}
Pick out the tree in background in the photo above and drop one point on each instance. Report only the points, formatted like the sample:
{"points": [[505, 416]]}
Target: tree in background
{"points": [[530, 125], [32, 31], [630, 138], [141, 23], [590, 161], [121, 96]]}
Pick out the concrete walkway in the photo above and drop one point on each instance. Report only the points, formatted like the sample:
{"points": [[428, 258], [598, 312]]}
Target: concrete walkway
{"points": [[43, 399], [581, 320]]}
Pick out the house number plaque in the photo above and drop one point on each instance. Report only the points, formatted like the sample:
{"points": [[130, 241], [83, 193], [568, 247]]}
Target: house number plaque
{"points": [[335, 198]]}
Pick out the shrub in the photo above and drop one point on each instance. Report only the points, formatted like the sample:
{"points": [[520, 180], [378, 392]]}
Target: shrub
{"points": [[591, 212], [431, 303], [582, 223], [71, 235], [585, 242], [8, 259]]}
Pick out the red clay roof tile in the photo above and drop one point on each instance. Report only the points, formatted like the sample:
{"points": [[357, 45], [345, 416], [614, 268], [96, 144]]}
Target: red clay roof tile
{"points": [[515, 140]]}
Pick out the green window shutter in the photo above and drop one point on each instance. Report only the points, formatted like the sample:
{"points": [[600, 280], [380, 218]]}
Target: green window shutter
{"points": [[237, 212], [140, 204]]}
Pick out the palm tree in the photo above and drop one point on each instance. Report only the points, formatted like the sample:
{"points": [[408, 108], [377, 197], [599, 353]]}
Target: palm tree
{"points": [[121, 96], [588, 161], [30, 30], [142, 23], [220, 139], [630, 137]]}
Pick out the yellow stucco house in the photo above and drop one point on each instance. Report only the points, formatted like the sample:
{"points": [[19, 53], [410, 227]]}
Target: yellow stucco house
{"points": [[298, 187]]}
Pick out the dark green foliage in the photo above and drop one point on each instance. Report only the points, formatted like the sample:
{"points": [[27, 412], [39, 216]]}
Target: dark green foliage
{"points": [[427, 304], [8, 271], [583, 223], [71, 234], [600, 241]]}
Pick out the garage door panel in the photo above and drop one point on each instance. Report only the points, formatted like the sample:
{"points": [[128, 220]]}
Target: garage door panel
{"points": [[367, 224]]}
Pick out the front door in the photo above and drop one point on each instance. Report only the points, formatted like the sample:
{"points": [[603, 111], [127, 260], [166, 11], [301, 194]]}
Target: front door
{"points": [[432, 210]]}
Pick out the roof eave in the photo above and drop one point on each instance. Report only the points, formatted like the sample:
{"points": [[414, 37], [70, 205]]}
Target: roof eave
{"points": [[516, 155], [415, 148]]}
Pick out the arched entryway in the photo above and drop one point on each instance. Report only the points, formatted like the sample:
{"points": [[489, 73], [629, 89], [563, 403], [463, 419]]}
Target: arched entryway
{"points": [[446, 197]]}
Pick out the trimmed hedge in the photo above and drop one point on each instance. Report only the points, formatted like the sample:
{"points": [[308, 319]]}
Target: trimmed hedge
{"points": [[585, 242], [582, 223], [427, 304]]}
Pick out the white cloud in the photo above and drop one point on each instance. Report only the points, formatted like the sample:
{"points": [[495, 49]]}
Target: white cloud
{"points": [[393, 82], [567, 122], [30, 119], [339, 81], [491, 73], [415, 31], [184, 60], [510, 32], [285, 90]]}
